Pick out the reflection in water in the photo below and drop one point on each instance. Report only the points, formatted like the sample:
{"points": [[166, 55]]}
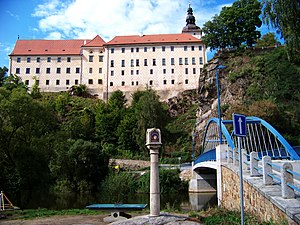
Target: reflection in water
{"points": [[199, 201]]}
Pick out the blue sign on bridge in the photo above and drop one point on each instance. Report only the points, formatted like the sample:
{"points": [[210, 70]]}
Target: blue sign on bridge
{"points": [[239, 125]]}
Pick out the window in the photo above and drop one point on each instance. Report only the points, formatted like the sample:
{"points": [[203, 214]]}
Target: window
{"points": [[201, 60], [180, 61], [26, 82], [27, 70], [122, 72], [77, 70], [100, 81], [68, 70], [200, 47], [201, 70], [193, 61], [172, 81], [18, 59], [37, 82], [111, 84], [57, 82], [67, 82], [91, 58], [131, 72], [136, 83], [37, 70], [186, 70], [186, 61], [153, 49], [172, 48], [164, 71], [68, 59], [131, 62], [111, 63], [172, 71], [132, 49], [47, 82], [112, 73], [145, 49], [76, 82], [90, 70], [28, 59], [112, 50], [137, 62], [38, 59], [151, 71], [100, 58], [163, 61], [192, 48], [186, 81], [123, 63], [123, 50], [137, 72], [58, 59], [90, 81], [58, 70], [145, 62], [165, 81], [194, 70], [185, 48], [151, 82], [48, 59], [154, 62], [100, 70], [137, 49], [123, 83], [172, 61], [163, 48], [132, 83]]}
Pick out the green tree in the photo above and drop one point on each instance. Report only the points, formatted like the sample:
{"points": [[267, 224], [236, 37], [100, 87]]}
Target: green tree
{"points": [[284, 16], [13, 81], [79, 90], [267, 40], [3, 72], [234, 26], [35, 90]]}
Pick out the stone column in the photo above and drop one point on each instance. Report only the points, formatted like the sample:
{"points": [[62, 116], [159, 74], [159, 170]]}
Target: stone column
{"points": [[154, 184]]}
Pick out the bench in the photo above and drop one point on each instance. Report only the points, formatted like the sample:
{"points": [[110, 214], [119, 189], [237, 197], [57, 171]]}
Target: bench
{"points": [[117, 210]]}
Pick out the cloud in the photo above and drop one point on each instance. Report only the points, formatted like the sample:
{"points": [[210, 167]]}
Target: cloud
{"points": [[12, 14]]}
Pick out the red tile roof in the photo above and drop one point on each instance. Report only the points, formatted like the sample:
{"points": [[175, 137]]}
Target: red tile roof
{"points": [[153, 39], [48, 47], [96, 42]]}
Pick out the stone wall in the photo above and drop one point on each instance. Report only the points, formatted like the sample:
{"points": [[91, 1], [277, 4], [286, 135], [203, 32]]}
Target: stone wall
{"points": [[255, 203]]}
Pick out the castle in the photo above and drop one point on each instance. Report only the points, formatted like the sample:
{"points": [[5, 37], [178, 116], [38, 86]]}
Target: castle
{"points": [[167, 63]]}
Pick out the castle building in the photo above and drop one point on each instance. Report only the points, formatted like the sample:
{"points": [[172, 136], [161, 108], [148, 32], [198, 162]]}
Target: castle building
{"points": [[167, 63]]}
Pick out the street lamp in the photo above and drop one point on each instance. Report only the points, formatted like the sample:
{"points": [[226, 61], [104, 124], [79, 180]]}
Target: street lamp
{"points": [[193, 145], [219, 101]]}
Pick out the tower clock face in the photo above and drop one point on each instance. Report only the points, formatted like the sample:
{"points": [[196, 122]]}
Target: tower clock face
{"points": [[154, 136]]}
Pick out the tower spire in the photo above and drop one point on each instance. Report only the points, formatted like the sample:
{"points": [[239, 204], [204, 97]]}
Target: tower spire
{"points": [[191, 26]]}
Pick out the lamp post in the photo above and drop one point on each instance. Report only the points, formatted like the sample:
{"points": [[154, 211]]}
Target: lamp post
{"points": [[219, 101], [193, 145]]}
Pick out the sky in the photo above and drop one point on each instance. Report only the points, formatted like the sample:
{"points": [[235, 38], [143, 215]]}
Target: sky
{"points": [[78, 19]]}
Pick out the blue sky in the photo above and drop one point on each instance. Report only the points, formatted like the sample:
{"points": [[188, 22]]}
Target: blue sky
{"points": [[71, 19]]}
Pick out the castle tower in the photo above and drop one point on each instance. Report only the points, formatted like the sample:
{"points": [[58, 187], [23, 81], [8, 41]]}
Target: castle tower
{"points": [[191, 27]]}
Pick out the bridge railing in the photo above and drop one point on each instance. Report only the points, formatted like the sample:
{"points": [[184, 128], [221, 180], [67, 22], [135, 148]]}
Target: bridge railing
{"points": [[272, 172]]}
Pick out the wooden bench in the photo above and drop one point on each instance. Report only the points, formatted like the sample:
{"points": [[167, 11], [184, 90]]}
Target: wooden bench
{"points": [[117, 210]]}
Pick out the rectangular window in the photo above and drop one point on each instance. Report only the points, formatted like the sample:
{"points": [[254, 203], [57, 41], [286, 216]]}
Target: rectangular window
{"points": [[194, 70], [111, 63], [90, 81], [137, 62], [137, 72], [91, 58], [186, 81], [137, 49], [37, 70], [172, 71], [164, 71], [132, 49], [28, 59], [27, 70], [153, 49], [132, 63], [186, 61], [18, 59], [145, 49], [151, 82], [123, 63], [100, 70], [90, 70], [68, 59], [200, 47], [123, 83], [57, 70], [151, 71], [163, 61], [186, 71], [122, 72], [77, 69], [38, 59], [58, 59], [201, 60], [17, 70], [172, 61], [123, 50], [180, 61], [193, 61], [48, 70], [132, 83], [112, 50], [100, 81], [131, 72], [68, 70], [57, 82], [67, 82], [136, 83], [100, 58], [48, 59], [165, 81], [172, 81], [154, 62], [192, 48], [145, 62], [112, 73], [172, 48], [163, 48], [111, 84], [47, 82], [76, 82], [185, 48]]}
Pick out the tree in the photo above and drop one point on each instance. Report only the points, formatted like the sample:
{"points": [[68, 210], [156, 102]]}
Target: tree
{"points": [[3, 72], [234, 26], [13, 81], [267, 40], [284, 16]]}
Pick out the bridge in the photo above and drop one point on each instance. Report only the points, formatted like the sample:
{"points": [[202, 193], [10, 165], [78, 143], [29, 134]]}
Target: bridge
{"points": [[271, 170]]}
